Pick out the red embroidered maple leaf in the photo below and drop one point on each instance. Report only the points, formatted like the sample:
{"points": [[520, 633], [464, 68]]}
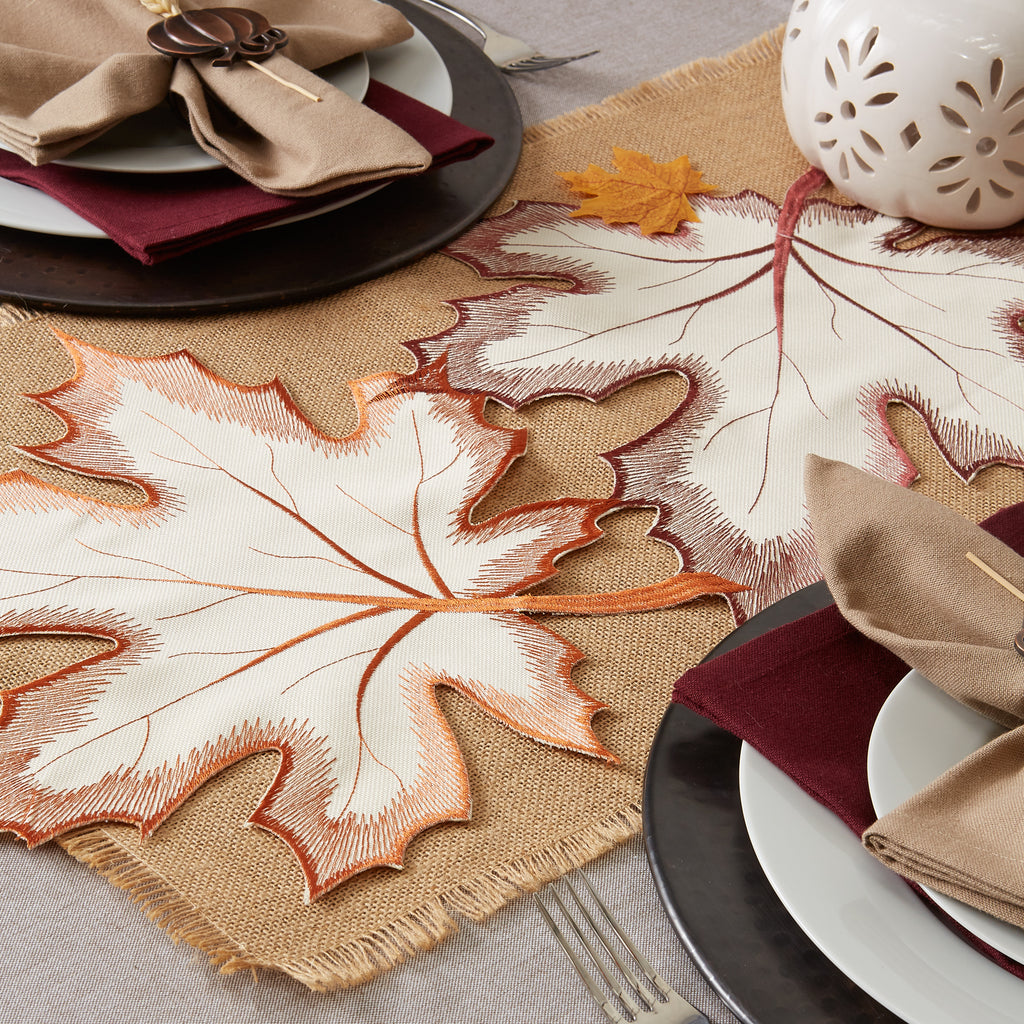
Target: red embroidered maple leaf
{"points": [[794, 326]]}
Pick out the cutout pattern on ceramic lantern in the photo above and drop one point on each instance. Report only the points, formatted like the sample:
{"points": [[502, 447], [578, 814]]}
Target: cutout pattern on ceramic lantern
{"points": [[912, 110], [986, 120]]}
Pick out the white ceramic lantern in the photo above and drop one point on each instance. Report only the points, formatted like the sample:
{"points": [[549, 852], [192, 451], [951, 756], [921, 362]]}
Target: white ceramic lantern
{"points": [[914, 108]]}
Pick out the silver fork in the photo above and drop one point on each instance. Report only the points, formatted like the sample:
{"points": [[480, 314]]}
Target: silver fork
{"points": [[510, 54], [663, 1004]]}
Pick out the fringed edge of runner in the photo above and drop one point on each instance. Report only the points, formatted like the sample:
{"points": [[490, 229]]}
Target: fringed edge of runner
{"points": [[370, 955], [14, 315], [359, 961], [159, 900], [765, 47]]}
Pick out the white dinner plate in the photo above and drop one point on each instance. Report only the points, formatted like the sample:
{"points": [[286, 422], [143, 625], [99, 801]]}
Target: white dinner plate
{"points": [[919, 733], [863, 916], [158, 142], [413, 67]]}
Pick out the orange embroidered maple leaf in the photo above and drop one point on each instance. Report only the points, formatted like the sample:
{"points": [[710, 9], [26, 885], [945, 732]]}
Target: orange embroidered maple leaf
{"points": [[282, 589], [652, 195]]}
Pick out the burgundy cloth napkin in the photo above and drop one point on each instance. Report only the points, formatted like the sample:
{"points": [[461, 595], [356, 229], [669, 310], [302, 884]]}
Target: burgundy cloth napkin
{"points": [[806, 696], [156, 216]]}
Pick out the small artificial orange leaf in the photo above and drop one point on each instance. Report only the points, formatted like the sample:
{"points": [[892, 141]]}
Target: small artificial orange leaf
{"points": [[643, 192]]}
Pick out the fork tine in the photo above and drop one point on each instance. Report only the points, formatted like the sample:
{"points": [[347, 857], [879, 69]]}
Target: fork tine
{"points": [[648, 998], [632, 1007], [538, 62], [508, 53], [668, 1007], [649, 972], [588, 979]]}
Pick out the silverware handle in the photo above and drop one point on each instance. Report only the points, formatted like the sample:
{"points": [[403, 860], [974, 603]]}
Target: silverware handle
{"points": [[455, 13]]}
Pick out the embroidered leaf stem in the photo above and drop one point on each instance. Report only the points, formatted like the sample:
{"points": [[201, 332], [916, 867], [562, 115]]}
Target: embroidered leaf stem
{"points": [[282, 589], [652, 195]]}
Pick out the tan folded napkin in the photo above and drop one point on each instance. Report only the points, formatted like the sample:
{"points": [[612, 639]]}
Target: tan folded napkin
{"points": [[895, 563], [69, 72]]}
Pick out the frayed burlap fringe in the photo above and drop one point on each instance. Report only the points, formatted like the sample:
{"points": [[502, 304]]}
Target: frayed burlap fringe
{"points": [[13, 315], [370, 955], [159, 900], [476, 900], [766, 46], [483, 896]]}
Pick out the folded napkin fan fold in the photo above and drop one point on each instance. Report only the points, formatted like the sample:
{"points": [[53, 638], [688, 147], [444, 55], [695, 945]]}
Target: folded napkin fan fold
{"points": [[52, 104], [157, 217], [70, 72], [963, 835], [281, 141], [806, 696], [896, 565]]}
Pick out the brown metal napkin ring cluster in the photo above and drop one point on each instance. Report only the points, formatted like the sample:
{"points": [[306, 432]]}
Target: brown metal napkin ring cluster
{"points": [[227, 34], [1018, 640]]}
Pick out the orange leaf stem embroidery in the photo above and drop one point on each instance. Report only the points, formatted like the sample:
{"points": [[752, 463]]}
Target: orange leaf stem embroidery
{"points": [[684, 586]]}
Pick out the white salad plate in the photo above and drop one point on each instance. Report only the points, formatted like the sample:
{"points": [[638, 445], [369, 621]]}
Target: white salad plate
{"points": [[920, 732], [413, 67], [863, 916]]}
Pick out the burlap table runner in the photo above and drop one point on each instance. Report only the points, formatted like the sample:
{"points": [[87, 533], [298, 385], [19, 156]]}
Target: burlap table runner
{"points": [[237, 893]]}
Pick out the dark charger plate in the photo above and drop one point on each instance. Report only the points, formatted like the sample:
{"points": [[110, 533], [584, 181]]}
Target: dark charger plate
{"points": [[314, 257], [708, 877]]}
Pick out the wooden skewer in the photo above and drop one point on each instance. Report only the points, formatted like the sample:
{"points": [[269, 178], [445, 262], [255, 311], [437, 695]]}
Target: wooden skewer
{"points": [[283, 81], [971, 557]]}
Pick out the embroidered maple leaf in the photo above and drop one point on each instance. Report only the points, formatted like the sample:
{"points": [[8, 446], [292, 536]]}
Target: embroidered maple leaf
{"points": [[795, 328], [652, 195], [281, 589]]}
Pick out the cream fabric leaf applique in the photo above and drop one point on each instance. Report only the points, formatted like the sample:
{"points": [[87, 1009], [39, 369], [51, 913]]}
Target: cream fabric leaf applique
{"points": [[795, 326], [281, 589]]}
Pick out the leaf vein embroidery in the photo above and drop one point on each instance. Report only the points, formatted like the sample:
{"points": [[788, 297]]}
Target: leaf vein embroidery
{"points": [[200, 608], [294, 515], [417, 533], [327, 665], [371, 511], [120, 556], [808, 390], [958, 375], [142, 749], [280, 482], [729, 353], [65, 581], [278, 649], [385, 649]]}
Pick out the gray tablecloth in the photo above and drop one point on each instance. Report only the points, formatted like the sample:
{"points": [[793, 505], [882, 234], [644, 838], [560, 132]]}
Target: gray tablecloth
{"points": [[75, 949]]}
